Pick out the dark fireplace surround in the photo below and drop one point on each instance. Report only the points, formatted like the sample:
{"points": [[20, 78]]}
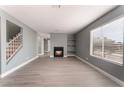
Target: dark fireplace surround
{"points": [[58, 51]]}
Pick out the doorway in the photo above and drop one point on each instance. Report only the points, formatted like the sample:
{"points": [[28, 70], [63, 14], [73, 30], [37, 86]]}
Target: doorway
{"points": [[47, 46]]}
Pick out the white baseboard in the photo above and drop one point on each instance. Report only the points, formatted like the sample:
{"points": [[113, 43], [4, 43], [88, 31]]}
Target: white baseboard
{"points": [[118, 81], [65, 55], [40, 54], [17, 67], [51, 56]]}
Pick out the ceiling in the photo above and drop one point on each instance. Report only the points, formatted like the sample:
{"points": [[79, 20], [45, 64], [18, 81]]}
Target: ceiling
{"points": [[56, 19]]}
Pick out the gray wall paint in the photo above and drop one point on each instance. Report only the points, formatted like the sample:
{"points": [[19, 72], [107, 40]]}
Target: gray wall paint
{"points": [[83, 45], [71, 44], [29, 49], [58, 40]]}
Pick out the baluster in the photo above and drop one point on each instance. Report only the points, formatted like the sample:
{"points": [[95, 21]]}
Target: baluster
{"points": [[13, 45]]}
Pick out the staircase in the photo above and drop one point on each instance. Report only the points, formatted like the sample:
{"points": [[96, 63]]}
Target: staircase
{"points": [[13, 46]]}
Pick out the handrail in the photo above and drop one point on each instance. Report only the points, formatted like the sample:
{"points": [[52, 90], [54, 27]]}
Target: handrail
{"points": [[13, 46], [19, 34]]}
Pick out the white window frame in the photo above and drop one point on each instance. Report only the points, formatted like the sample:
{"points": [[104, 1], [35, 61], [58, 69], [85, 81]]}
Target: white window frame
{"points": [[91, 44]]}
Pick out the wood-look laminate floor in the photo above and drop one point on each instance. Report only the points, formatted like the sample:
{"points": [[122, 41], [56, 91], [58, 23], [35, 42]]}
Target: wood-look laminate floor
{"points": [[57, 72]]}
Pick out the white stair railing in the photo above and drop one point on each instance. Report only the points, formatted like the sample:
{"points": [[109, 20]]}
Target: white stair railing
{"points": [[13, 46]]}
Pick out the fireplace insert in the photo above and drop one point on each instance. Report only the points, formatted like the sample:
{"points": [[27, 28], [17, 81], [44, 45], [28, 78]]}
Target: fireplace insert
{"points": [[58, 51]]}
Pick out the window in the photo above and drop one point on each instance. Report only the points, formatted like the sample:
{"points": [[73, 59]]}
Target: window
{"points": [[97, 43], [107, 41]]}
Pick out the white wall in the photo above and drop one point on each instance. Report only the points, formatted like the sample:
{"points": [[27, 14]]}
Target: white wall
{"points": [[42, 46], [40, 41]]}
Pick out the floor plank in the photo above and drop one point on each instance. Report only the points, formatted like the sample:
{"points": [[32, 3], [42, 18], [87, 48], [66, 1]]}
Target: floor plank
{"points": [[57, 72]]}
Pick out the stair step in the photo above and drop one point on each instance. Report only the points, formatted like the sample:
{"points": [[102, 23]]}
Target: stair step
{"points": [[13, 46]]}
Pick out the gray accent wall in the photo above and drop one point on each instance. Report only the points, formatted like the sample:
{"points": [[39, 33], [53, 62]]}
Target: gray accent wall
{"points": [[58, 40], [71, 44], [83, 44], [29, 49]]}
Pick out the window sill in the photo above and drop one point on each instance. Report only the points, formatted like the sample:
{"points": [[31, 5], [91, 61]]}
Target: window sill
{"points": [[108, 60]]}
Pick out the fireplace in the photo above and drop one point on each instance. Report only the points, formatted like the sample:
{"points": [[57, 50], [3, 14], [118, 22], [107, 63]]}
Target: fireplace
{"points": [[58, 51]]}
